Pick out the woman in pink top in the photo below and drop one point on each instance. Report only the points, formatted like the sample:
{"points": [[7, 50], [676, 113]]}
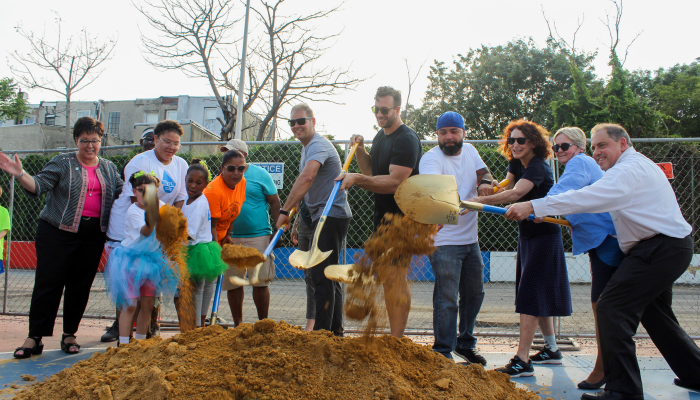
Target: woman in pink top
{"points": [[80, 188]]}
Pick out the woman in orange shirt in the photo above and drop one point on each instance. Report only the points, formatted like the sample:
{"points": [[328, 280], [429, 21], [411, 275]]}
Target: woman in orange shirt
{"points": [[226, 194]]}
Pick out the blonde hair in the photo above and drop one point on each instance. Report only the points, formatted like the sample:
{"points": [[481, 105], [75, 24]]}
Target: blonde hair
{"points": [[575, 134]]}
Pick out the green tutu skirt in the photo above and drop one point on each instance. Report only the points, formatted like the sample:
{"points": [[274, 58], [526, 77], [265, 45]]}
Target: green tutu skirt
{"points": [[204, 261]]}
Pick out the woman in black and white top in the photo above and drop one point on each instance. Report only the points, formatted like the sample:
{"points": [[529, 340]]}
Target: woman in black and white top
{"points": [[80, 188]]}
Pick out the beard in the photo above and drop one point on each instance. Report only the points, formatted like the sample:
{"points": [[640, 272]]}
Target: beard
{"points": [[451, 150], [389, 122]]}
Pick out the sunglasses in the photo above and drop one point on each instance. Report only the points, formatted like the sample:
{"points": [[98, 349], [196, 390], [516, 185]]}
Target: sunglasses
{"points": [[520, 140], [383, 110], [300, 121], [563, 146], [233, 168]]}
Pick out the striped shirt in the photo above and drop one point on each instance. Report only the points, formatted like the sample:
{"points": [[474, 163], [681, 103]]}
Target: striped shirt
{"points": [[65, 182]]}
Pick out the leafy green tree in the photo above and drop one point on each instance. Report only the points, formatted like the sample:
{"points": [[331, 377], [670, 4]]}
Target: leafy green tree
{"points": [[676, 94], [490, 86], [12, 104]]}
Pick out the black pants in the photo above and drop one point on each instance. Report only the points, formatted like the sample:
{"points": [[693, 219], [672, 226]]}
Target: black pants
{"points": [[329, 294], [64, 260], [641, 291]]}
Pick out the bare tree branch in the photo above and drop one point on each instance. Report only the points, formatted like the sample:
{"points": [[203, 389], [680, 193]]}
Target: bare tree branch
{"points": [[61, 68]]}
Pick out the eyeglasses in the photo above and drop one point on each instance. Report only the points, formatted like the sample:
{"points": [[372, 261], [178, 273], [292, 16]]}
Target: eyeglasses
{"points": [[139, 189], [233, 168], [383, 110], [87, 142], [563, 146], [520, 140], [168, 143], [300, 121]]}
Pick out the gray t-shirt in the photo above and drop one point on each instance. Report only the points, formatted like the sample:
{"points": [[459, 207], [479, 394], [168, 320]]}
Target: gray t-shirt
{"points": [[321, 149]]}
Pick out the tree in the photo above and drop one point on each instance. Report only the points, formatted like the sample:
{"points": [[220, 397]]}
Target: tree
{"points": [[61, 67], [291, 55], [13, 106], [676, 94], [195, 37], [490, 86]]}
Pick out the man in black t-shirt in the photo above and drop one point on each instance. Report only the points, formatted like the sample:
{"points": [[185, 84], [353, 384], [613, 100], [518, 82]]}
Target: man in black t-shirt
{"points": [[394, 157]]}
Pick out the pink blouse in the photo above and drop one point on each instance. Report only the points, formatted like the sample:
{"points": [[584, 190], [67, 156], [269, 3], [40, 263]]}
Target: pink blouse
{"points": [[93, 198]]}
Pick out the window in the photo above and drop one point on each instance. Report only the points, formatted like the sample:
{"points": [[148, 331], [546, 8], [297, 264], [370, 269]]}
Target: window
{"points": [[50, 120], [171, 115], [113, 123], [210, 121], [83, 113], [151, 118]]}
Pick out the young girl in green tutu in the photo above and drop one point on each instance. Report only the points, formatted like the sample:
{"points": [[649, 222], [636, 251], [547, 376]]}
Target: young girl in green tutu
{"points": [[203, 253]]}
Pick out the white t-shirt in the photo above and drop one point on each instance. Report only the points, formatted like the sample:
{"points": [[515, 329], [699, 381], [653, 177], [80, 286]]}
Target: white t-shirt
{"points": [[198, 220], [171, 190], [135, 220], [463, 167]]}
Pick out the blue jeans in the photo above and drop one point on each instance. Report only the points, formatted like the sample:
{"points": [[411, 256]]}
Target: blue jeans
{"points": [[459, 273]]}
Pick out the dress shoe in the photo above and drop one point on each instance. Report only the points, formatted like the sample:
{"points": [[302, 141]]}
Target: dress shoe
{"points": [[611, 395], [592, 386], [682, 384]]}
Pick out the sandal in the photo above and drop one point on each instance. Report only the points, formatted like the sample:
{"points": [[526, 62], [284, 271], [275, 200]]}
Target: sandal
{"points": [[66, 347], [30, 351]]}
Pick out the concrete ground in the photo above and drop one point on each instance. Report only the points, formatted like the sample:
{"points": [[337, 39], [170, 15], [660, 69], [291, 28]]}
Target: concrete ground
{"points": [[556, 382]]}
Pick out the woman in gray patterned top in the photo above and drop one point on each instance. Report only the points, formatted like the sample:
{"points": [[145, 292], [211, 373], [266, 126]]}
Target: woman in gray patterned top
{"points": [[80, 188]]}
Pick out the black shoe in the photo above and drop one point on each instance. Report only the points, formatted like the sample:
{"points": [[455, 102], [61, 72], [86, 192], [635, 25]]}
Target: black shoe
{"points": [[112, 333], [547, 356], [471, 355], [592, 386], [680, 383], [611, 395], [30, 351], [517, 367]]}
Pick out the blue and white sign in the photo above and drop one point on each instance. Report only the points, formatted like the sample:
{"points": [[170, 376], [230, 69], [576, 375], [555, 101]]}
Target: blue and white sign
{"points": [[276, 171]]}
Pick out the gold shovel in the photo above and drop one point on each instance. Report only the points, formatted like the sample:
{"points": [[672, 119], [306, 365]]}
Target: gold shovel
{"points": [[267, 253], [150, 200], [433, 199], [303, 259]]}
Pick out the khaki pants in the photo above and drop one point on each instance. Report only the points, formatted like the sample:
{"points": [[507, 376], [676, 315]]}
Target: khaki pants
{"points": [[267, 271]]}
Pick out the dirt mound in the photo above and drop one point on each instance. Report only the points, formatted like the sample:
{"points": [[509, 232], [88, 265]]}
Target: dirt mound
{"points": [[273, 361]]}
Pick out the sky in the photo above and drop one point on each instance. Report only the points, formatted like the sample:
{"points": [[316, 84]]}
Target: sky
{"points": [[375, 38]]}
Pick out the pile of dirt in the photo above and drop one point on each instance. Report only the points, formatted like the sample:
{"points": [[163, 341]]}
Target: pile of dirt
{"points": [[271, 360], [382, 270], [241, 257]]}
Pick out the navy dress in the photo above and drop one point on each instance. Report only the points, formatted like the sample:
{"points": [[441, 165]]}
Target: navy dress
{"points": [[541, 278]]}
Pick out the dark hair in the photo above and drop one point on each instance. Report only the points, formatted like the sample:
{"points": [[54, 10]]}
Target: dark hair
{"points": [[88, 125], [229, 155], [198, 165], [615, 131], [168, 126], [536, 133], [384, 91], [143, 179]]}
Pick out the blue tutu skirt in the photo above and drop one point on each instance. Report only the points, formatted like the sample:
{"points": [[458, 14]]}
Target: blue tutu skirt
{"points": [[128, 269]]}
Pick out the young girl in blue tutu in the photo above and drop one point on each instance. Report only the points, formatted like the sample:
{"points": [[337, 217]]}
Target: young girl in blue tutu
{"points": [[203, 254], [138, 269]]}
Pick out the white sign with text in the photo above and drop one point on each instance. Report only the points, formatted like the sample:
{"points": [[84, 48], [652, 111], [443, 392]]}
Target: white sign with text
{"points": [[276, 171]]}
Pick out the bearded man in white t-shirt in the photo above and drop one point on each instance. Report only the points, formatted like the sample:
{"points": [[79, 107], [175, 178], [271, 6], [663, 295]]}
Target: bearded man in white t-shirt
{"points": [[457, 263], [170, 169]]}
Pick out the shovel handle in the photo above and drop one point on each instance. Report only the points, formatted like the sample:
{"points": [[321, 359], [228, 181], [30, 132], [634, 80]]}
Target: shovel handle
{"points": [[277, 236], [502, 210], [349, 158], [213, 319]]}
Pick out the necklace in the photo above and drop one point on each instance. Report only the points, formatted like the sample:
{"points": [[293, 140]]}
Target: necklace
{"points": [[91, 185]]}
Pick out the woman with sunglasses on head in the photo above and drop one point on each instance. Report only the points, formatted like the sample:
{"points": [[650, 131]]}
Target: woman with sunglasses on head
{"points": [[541, 279], [226, 194], [80, 188], [592, 233]]}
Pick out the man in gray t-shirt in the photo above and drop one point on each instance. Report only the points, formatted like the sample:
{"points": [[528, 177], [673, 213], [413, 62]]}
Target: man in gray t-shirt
{"points": [[320, 165]]}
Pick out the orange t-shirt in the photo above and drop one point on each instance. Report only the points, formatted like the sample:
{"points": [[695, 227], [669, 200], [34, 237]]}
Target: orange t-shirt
{"points": [[224, 203]]}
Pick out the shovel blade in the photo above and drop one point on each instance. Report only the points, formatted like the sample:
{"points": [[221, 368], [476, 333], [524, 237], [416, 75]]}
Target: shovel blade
{"points": [[150, 200], [429, 199], [307, 259], [247, 281], [341, 273]]}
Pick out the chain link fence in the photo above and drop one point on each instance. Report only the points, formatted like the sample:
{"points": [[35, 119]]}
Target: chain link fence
{"points": [[497, 239]]}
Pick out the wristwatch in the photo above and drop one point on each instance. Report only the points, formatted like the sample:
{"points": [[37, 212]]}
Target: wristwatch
{"points": [[284, 212], [484, 181], [20, 174]]}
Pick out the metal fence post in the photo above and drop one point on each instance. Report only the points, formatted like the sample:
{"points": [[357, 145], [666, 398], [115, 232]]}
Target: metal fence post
{"points": [[9, 247]]}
